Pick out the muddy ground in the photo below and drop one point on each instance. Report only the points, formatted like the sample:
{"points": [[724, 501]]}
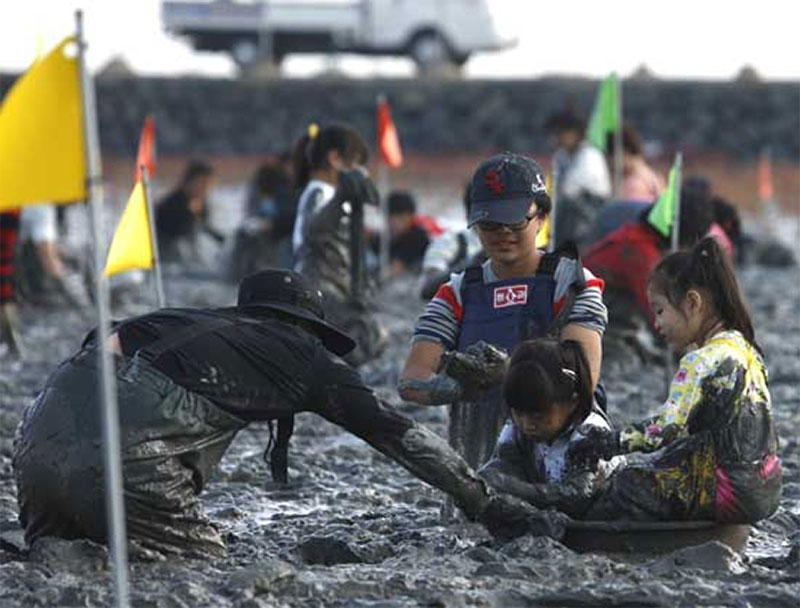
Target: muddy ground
{"points": [[354, 529]]}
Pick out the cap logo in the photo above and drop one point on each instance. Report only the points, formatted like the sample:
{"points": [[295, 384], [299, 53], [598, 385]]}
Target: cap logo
{"points": [[494, 182], [538, 184], [511, 295]]}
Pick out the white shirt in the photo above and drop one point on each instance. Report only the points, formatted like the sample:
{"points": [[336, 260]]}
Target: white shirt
{"points": [[583, 171], [308, 206]]}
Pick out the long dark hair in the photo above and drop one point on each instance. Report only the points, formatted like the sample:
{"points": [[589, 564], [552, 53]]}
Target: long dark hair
{"points": [[545, 373], [311, 150], [706, 266]]}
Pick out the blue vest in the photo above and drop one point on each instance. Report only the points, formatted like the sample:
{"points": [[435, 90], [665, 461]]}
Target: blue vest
{"points": [[502, 313]]}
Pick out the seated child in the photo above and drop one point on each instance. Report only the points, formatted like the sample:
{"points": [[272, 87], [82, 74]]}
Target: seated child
{"points": [[710, 453], [548, 390]]}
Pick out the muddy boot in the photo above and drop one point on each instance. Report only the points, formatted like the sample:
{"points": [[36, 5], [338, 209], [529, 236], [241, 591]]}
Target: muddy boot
{"points": [[9, 330]]}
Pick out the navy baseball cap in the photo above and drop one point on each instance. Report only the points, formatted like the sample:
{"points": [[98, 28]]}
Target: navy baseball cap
{"points": [[504, 187]]}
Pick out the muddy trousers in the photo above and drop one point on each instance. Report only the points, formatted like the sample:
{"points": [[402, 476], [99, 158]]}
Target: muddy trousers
{"points": [[171, 440]]}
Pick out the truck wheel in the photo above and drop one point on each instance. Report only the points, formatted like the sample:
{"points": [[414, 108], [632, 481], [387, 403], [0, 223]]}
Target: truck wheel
{"points": [[430, 51], [244, 52]]}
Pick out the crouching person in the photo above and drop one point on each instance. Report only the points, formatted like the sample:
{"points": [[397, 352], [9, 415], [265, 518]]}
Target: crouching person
{"points": [[548, 390], [188, 381]]}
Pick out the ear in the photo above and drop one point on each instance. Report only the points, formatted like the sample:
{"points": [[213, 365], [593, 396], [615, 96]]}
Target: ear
{"points": [[694, 302]]}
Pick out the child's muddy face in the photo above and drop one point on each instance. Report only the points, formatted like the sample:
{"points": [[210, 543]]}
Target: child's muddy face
{"points": [[543, 426]]}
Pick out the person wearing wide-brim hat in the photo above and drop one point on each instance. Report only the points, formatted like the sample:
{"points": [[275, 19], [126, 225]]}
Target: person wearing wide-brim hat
{"points": [[188, 381]]}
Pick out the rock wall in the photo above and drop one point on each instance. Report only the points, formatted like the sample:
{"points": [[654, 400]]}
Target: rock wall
{"points": [[228, 117]]}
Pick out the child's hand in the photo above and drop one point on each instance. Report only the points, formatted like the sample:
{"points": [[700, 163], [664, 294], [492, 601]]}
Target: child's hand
{"points": [[597, 444]]}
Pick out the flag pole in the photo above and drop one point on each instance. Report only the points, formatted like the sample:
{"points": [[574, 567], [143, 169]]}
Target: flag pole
{"points": [[115, 508], [618, 142], [162, 302], [383, 191], [674, 246], [551, 246]]}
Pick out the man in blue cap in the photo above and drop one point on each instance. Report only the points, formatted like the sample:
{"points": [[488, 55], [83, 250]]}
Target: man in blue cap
{"points": [[190, 379], [461, 341]]}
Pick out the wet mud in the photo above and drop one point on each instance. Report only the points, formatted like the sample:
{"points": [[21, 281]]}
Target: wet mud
{"points": [[354, 529]]}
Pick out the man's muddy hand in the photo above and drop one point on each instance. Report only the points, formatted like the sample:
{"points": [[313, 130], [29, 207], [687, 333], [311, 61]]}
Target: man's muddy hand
{"points": [[507, 517], [481, 366]]}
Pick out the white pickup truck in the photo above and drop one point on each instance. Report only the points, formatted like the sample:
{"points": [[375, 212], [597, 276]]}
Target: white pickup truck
{"points": [[432, 32]]}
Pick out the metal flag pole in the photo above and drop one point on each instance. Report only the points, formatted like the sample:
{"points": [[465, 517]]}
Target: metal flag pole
{"points": [[551, 246], [115, 508], [162, 302], [618, 142], [383, 190], [674, 245]]}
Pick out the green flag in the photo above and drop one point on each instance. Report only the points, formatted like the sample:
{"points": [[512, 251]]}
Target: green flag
{"points": [[662, 215], [605, 114]]}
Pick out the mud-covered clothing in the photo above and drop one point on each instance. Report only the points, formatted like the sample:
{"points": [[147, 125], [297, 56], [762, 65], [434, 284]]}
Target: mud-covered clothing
{"points": [[324, 253], [172, 436], [542, 472], [625, 259], [442, 318], [409, 248], [9, 231], [711, 452], [451, 251]]}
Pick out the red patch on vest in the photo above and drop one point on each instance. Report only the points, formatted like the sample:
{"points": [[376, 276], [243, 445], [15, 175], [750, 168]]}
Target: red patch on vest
{"points": [[511, 295]]}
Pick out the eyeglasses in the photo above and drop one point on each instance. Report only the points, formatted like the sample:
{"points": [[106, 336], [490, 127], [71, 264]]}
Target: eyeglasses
{"points": [[514, 227]]}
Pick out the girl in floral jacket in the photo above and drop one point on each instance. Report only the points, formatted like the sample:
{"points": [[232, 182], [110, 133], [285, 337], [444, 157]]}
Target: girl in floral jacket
{"points": [[711, 451]]}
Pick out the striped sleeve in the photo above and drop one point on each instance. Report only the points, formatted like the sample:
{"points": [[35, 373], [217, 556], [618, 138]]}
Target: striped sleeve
{"points": [[441, 320], [589, 310]]}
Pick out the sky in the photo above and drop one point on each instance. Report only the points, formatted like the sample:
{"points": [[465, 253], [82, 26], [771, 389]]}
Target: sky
{"points": [[695, 39]]}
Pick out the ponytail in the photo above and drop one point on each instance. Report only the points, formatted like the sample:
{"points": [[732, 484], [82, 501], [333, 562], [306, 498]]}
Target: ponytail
{"points": [[706, 266], [311, 150]]}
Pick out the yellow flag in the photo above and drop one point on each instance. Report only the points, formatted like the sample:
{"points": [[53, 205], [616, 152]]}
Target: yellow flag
{"points": [[131, 246], [41, 134]]}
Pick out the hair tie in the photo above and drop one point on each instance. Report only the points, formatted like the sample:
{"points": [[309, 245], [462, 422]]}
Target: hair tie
{"points": [[569, 374], [313, 130]]}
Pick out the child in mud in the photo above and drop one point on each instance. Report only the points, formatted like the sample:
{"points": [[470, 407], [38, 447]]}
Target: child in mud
{"points": [[549, 394], [328, 241], [710, 453]]}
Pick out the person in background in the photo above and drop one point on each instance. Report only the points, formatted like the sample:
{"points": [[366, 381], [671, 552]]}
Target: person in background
{"points": [[582, 179], [183, 214], [9, 319], [710, 453], [452, 251], [625, 258], [408, 240], [459, 348], [44, 275], [268, 222], [639, 181], [548, 391], [328, 240]]}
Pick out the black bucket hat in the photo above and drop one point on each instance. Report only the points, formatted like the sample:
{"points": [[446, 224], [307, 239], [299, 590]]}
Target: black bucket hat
{"points": [[289, 292]]}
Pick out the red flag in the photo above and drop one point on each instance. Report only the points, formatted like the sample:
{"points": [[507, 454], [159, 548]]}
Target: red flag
{"points": [[146, 155], [388, 143], [765, 191]]}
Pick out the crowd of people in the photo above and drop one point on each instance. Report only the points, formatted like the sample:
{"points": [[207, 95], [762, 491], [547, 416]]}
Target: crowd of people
{"points": [[510, 340]]}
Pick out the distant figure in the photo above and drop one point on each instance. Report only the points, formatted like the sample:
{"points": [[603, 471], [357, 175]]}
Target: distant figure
{"points": [[408, 239], [183, 214], [625, 258], [450, 252], [267, 225], [9, 320], [44, 276], [639, 181], [328, 241], [582, 180]]}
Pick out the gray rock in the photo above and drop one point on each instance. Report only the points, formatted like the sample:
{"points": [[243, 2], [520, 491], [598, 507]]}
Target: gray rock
{"points": [[76, 556]]}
